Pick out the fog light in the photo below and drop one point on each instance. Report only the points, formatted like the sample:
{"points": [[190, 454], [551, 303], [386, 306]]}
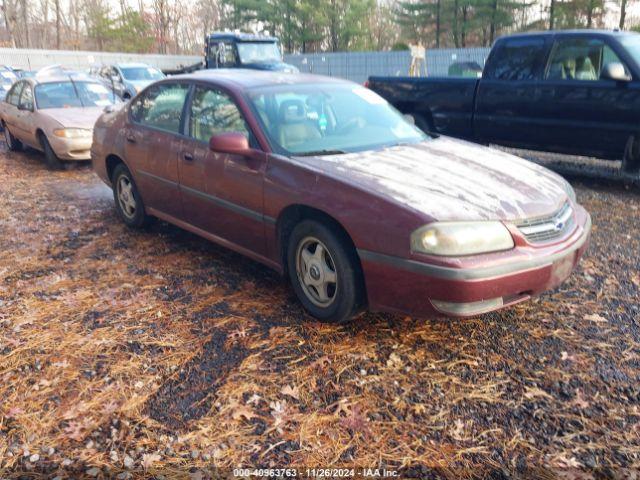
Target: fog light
{"points": [[467, 309]]}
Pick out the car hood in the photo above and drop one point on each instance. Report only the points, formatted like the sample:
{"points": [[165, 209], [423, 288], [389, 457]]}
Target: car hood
{"points": [[74, 117], [449, 180]]}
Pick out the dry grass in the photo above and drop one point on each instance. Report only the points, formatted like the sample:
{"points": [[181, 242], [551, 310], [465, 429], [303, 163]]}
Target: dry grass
{"points": [[158, 352]]}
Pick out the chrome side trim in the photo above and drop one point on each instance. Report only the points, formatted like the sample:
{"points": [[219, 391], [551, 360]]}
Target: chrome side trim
{"points": [[449, 273]]}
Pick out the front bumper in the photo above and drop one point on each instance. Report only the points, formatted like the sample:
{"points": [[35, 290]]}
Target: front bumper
{"points": [[71, 148], [473, 285]]}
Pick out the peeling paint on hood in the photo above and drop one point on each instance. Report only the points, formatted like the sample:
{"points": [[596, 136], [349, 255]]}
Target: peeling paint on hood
{"points": [[450, 179]]}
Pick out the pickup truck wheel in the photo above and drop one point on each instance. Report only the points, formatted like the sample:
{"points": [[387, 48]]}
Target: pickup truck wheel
{"points": [[128, 200], [53, 162], [631, 159], [324, 272], [13, 143]]}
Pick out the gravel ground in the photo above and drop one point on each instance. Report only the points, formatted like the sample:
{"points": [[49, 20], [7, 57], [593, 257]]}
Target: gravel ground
{"points": [[157, 353]]}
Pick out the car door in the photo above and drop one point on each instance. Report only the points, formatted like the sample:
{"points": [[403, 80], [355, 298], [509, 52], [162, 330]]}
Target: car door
{"points": [[152, 144], [10, 108], [583, 112], [26, 117], [221, 193], [505, 101]]}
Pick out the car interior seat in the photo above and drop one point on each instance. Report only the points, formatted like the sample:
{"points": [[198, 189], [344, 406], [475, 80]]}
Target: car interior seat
{"points": [[295, 127], [585, 70]]}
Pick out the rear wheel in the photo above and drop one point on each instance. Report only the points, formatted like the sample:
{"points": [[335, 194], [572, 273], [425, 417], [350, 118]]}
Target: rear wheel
{"points": [[324, 272], [128, 200], [53, 162], [631, 159], [13, 143]]}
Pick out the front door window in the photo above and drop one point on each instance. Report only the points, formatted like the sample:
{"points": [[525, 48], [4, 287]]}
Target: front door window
{"points": [[579, 59]]}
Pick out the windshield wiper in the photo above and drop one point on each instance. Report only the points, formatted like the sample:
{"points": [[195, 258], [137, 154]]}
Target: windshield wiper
{"points": [[321, 152]]}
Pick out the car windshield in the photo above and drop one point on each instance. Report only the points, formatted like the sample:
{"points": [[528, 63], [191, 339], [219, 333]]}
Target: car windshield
{"points": [[141, 73], [72, 94], [257, 52], [329, 119]]}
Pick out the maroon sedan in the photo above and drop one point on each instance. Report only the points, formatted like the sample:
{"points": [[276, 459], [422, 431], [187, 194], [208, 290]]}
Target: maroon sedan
{"points": [[322, 180]]}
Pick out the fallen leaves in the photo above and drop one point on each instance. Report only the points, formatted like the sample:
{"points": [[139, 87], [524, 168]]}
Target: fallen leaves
{"points": [[148, 459], [293, 392], [597, 318]]}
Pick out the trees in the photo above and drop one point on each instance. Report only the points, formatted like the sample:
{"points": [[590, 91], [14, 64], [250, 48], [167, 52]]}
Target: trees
{"points": [[457, 23], [179, 26]]}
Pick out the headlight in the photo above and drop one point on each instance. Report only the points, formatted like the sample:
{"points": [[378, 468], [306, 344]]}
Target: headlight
{"points": [[571, 193], [461, 238], [73, 133]]}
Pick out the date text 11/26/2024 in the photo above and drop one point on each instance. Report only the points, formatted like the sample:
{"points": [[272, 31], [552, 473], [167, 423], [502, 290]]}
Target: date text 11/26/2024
{"points": [[316, 472]]}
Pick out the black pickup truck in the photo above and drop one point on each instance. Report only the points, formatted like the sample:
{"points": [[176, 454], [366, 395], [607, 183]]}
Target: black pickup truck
{"points": [[572, 92]]}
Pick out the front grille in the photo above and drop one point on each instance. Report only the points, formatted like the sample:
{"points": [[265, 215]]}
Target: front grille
{"points": [[547, 228]]}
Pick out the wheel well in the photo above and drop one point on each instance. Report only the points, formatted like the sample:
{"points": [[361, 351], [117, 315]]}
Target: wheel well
{"points": [[294, 214], [39, 133], [112, 162]]}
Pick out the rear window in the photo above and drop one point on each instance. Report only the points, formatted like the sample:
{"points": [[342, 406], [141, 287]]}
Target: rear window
{"points": [[515, 59]]}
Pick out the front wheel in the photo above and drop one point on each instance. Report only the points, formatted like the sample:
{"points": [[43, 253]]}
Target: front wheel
{"points": [[53, 162], [324, 271], [631, 159], [128, 200]]}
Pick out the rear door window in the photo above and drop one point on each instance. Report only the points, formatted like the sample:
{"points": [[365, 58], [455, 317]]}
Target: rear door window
{"points": [[516, 59], [13, 96], [26, 98], [161, 106]]}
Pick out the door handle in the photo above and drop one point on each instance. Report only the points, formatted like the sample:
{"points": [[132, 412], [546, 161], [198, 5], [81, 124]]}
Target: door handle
{"points": [[131, 139], [188, 157]]}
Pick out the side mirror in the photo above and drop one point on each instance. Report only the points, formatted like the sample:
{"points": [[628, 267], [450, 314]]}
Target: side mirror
{"points": [[615, 71], [235, 143]]}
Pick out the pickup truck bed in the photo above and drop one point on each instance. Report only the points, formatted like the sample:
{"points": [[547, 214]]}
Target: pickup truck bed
{"points": [[443, 105]]}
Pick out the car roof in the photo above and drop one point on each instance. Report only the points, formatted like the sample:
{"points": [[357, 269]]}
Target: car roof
{"points": [[132, 64], [35, 80], [576, 32], [241, 37], [244, 78]]}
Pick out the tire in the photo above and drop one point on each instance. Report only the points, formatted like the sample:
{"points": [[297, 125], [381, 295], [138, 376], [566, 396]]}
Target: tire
{"points": [[12, 142], [311, 271], [53, 162], [631, 159], [129, 204]]}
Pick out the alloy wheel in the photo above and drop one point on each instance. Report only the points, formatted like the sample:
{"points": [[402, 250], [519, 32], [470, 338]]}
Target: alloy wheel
{"points": [[125, 197], [316, 272]]}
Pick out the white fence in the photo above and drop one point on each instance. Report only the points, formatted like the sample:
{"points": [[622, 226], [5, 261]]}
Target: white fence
{"points": [[35, 59]]}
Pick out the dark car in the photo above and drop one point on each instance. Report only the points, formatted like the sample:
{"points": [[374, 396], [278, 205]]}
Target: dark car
{"points": [[321, 179], [245, 50], [570, 92]]}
